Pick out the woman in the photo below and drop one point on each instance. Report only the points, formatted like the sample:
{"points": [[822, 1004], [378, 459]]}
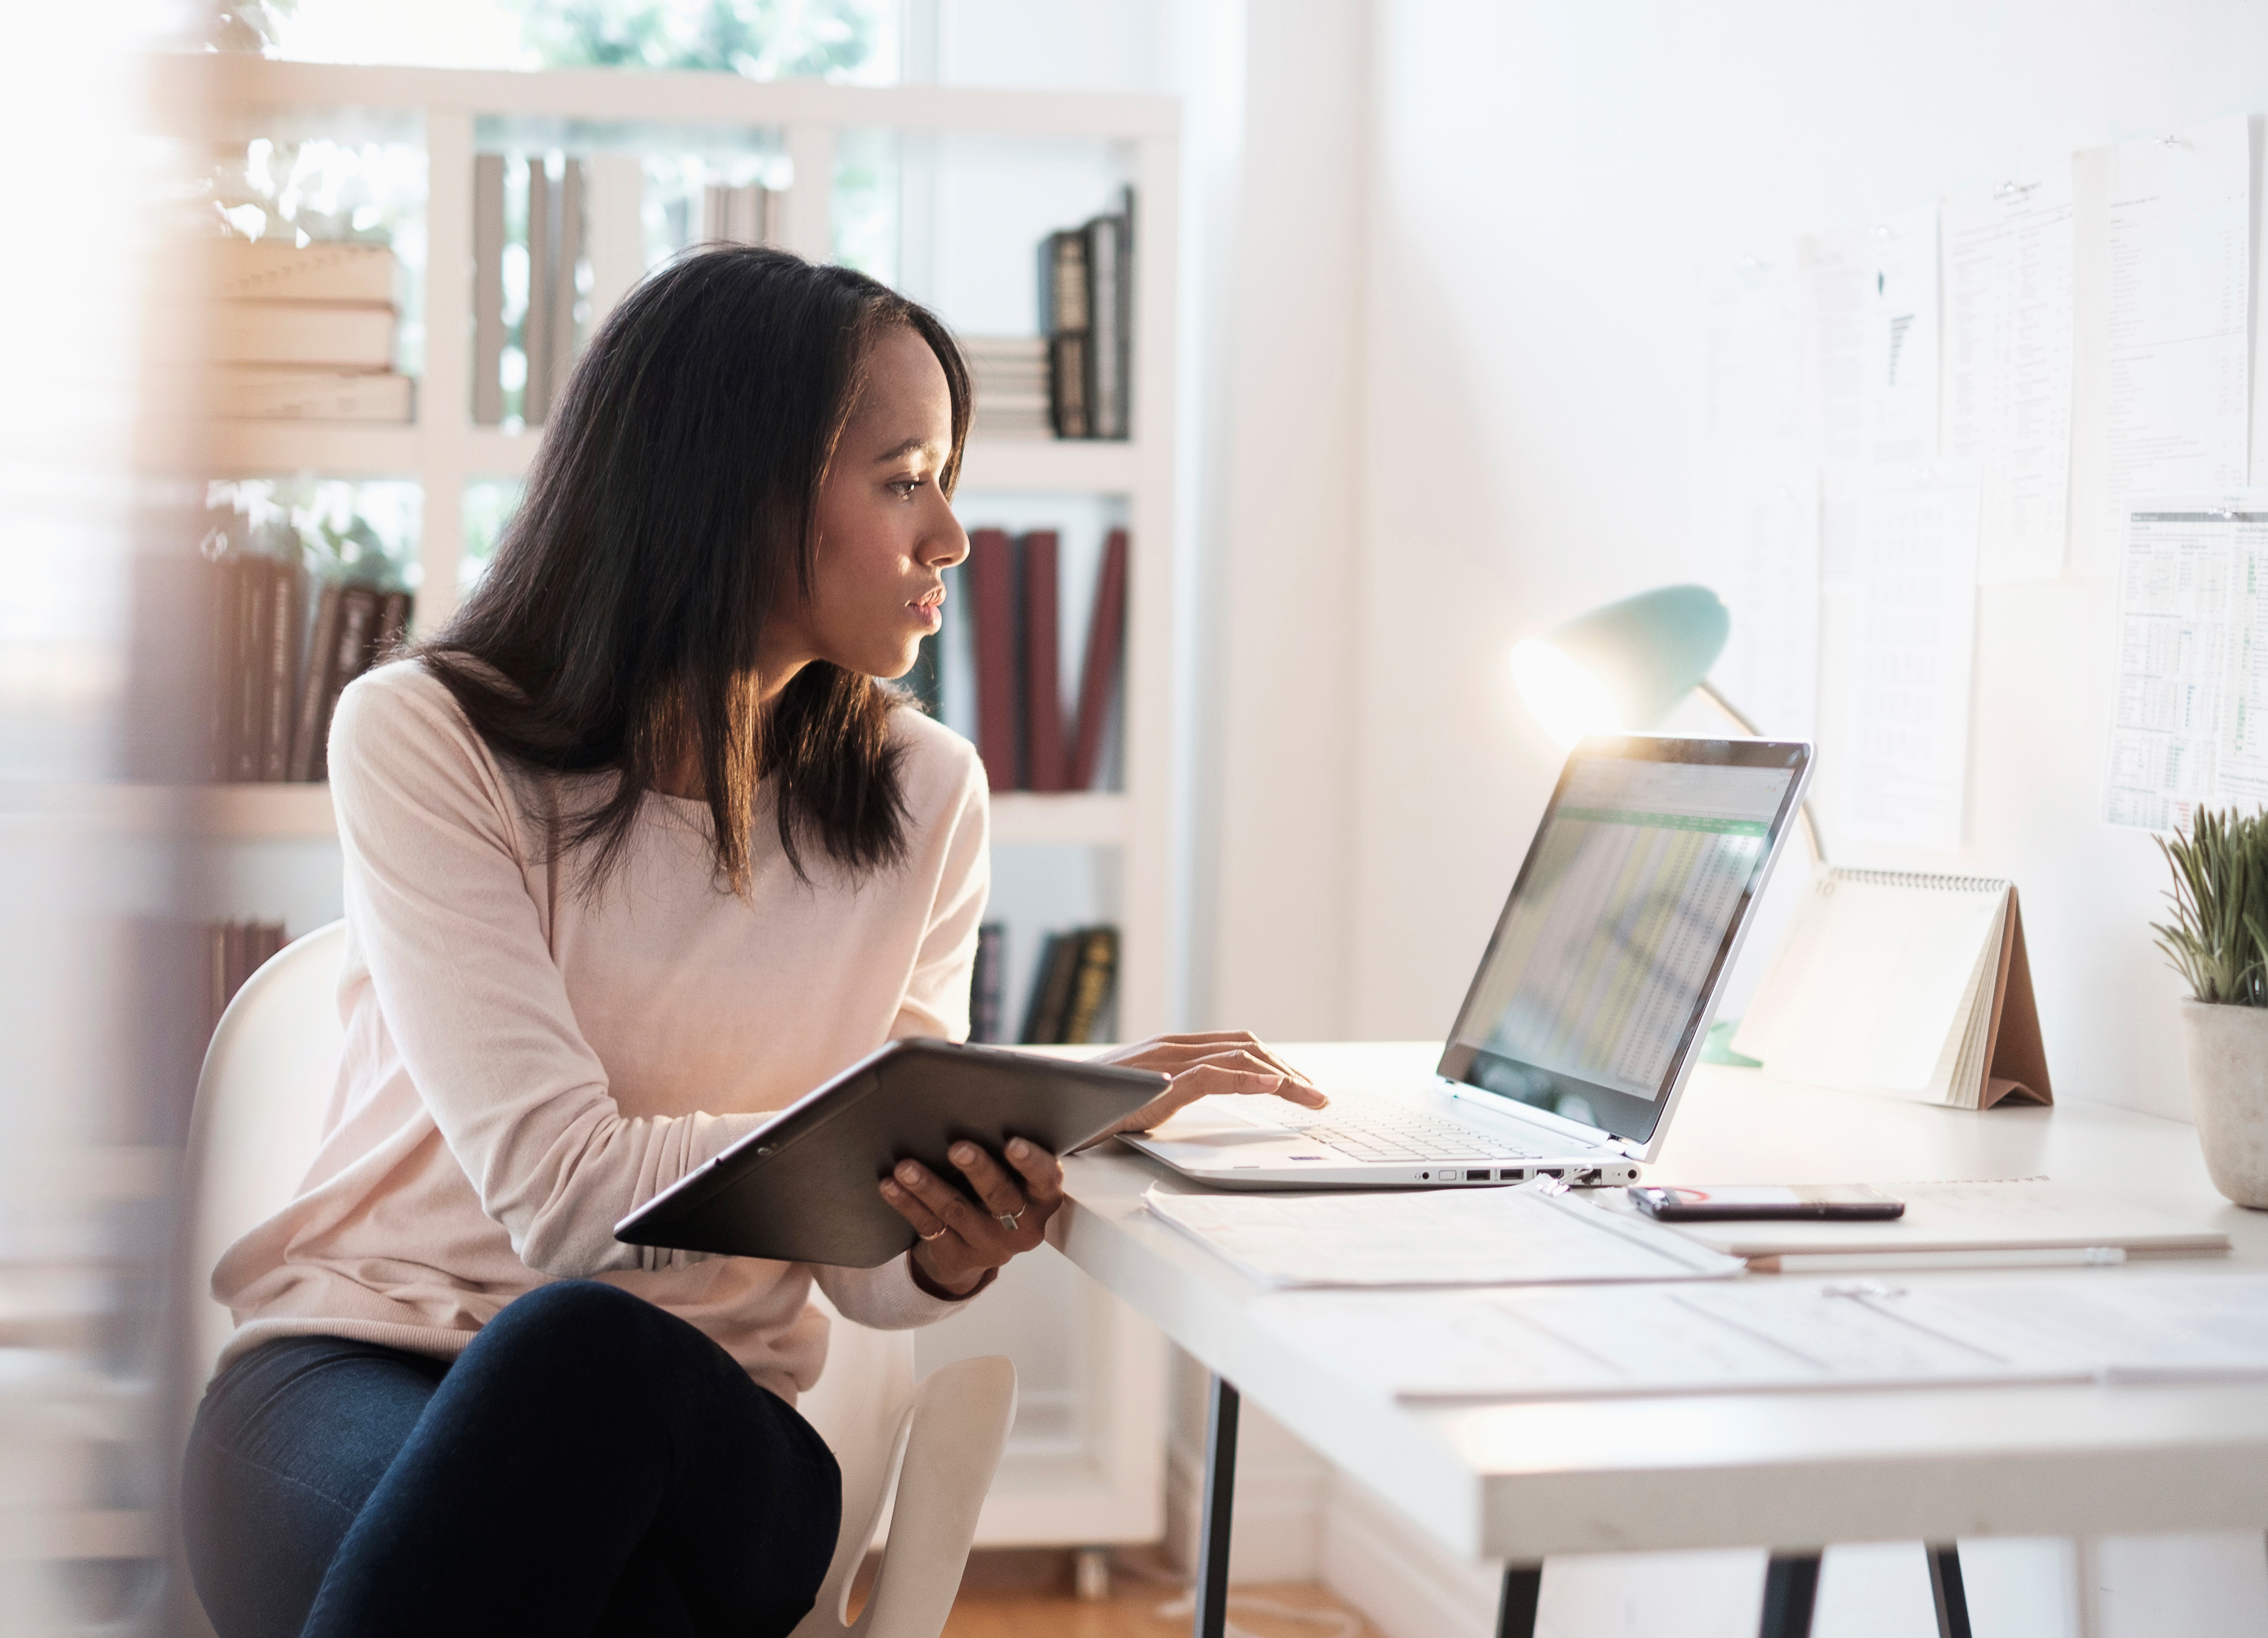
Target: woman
{"points": [[637, 849]]}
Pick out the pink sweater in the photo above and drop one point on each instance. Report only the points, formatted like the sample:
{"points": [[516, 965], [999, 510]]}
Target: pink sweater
{"points": [[524, 1064]]}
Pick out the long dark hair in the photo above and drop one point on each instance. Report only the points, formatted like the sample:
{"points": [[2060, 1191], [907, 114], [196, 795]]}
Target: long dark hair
{"points": [[671, 509]]}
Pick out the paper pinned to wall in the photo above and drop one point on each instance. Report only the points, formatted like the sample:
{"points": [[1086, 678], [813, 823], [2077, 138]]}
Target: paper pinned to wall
{"points": [[1757, 349], [1898, 337], [2190, 714], [1837, 282], [2007, 369], [1907, 673], [1766, 568], [2161, 314]]}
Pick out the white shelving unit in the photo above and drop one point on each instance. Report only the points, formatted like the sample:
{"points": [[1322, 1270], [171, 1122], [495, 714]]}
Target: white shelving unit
{"points": [[1094, 1473]]}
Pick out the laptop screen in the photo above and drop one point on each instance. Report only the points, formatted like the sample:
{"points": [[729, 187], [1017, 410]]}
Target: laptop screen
{"points": [[1609, 955]]}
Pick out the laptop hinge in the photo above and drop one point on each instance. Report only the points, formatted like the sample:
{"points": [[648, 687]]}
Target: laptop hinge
{"points": [[1487, 1103]]}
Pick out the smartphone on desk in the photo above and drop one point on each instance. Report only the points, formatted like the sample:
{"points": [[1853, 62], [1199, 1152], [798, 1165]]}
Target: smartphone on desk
{"points": [[1763, 1202]]}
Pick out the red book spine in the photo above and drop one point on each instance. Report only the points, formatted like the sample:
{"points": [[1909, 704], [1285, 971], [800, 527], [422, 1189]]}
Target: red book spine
{"points": [[1046, 764], [999, 701], [1105, 645]]}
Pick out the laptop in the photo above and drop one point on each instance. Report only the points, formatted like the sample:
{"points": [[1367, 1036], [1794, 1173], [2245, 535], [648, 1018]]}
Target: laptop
{"points": [[1590, 1006]]}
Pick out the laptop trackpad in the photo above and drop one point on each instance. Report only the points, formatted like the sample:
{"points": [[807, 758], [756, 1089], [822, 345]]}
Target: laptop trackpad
{"points": [[1214, 1127]]}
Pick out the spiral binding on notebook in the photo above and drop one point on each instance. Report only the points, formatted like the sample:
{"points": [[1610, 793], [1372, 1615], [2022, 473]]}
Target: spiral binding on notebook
{"points": [[1914, 879]]}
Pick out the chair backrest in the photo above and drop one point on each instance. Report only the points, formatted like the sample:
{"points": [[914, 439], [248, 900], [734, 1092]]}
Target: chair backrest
{"points": [[268, 1078]]}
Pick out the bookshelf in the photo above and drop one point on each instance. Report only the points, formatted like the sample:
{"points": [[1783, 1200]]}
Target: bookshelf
{"points": [[1085, 1465]]}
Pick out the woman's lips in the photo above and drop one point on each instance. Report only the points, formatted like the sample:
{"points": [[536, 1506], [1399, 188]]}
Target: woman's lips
{"points": [[929, 610]]}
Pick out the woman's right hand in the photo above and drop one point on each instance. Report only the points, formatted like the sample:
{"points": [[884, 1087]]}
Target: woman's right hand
{"points": [[961, 1243], [1229, 1061]]}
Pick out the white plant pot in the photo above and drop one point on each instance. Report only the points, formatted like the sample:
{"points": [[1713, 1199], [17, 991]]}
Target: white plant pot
{"points": [[2228, 1052]]}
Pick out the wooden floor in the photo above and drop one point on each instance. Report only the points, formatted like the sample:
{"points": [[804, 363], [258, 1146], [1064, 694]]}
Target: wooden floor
{"points": [[1131, 1612], [1029, 1594]]}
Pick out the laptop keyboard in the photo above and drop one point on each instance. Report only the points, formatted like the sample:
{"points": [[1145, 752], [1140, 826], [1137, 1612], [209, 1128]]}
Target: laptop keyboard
{"points": [[1398, 1135]]}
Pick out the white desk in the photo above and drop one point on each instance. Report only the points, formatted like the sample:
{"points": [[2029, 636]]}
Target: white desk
{"points": [[1792, 1471]]}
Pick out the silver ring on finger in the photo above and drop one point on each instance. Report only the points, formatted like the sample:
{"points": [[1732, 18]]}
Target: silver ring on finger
{"points": [[939, 1235], [1008, 1220]]}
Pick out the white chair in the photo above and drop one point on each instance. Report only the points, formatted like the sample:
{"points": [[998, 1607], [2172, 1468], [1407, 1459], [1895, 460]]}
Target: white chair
{"points": [[928, 1450]]}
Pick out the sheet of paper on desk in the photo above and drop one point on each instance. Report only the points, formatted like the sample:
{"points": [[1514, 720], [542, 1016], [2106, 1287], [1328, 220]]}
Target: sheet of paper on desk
{"points": [[2037, 1214], [1654, 1339], [1524, 1236], [2167, 1328]]}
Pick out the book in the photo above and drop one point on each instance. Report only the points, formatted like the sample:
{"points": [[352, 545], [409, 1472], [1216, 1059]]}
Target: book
{"points": [[1063, 284], [276, 393], [1099, 674], [392, 627], [335, 337], [988, 980], [1067, 357], [235, 951], [1046, 766], [1910, 985], [359, 608], [308, 726], [256, 592], [1092, 983], [278, 270], [1106, 352], [487, 289], [995, 585], [1052, 990], [282, 650], [227, 661]]}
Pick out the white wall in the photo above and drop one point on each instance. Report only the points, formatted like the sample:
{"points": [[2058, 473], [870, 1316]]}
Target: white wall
{"points": [[1552, 185]]}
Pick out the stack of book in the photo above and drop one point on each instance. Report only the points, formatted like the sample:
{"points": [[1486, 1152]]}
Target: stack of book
{"points": [[1022, 732], [740, 216], [1071, 994], [1087, 308], [1009, 375], [305, 332], [547, 333], [1078, 971], [237, 950], [280, 665]]}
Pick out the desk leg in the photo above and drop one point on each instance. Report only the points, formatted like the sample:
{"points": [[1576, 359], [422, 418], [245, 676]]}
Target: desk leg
{"points": [[1791, 1588], [1212, 1599], [1516, 1605], [1946, 1589]]}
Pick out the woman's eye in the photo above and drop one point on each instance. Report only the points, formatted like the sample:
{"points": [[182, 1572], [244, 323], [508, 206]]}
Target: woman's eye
{"points": [[904, 487]]}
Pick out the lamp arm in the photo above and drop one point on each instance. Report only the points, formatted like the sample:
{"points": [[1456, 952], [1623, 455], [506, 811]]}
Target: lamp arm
{"points": [[1708, 691]]}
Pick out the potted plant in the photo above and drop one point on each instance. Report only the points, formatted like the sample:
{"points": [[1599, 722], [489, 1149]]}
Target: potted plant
{"points": [[2218, 940]]}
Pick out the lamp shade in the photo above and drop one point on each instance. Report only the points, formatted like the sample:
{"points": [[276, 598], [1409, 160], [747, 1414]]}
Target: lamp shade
{"points": [[1623, 667]]}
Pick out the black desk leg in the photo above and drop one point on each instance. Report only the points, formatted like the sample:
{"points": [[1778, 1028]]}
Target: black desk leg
{"points": [[1211, 1600], [1946, 1589], [1791, 1588], [1515, 1607]]}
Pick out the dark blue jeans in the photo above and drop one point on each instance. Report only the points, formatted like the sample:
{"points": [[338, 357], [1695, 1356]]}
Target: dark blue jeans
{"points": [[589, 1464]]}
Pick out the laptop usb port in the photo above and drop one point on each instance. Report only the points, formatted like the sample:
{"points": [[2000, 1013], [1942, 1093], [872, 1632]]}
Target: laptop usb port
{"points": [[1510, 1174]]}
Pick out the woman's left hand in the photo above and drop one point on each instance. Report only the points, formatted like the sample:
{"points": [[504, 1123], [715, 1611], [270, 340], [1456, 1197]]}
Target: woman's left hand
{"points": [[961, 1243]]}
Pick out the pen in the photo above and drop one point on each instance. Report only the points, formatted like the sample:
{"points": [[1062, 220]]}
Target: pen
{"points": [[1919, 1262]]}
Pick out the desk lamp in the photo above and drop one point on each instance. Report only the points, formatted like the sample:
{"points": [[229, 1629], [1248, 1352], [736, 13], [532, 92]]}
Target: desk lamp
{"points": [[1620, 668]]}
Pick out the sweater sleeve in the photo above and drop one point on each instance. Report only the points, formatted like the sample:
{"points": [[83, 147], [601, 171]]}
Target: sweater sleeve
{"points": [[936, 1002], [437, 895], [936, 1007]]}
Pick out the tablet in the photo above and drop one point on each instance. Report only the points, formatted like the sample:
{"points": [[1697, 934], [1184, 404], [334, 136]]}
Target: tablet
{"points": [[801, 1187]]}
